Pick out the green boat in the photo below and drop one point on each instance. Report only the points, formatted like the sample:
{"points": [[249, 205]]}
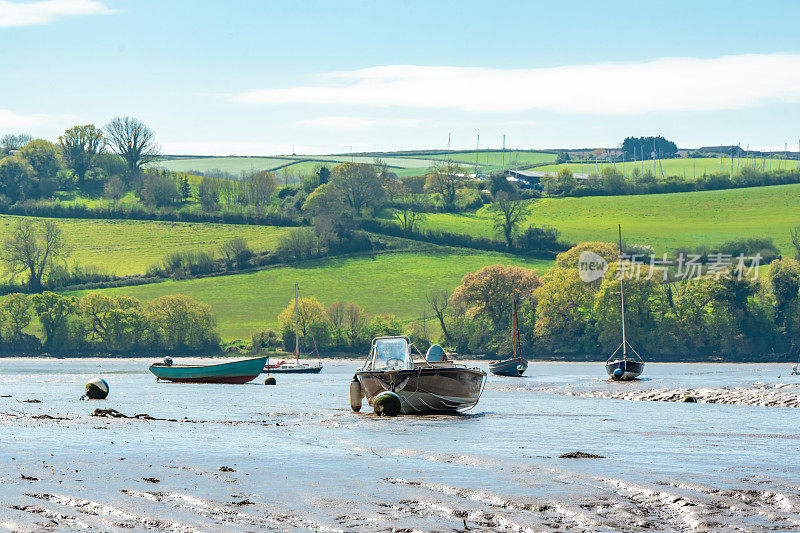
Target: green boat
{"points": [[233, 372]]}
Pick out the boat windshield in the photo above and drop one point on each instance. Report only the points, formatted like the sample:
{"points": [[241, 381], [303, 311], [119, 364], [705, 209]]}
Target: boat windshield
{"points": [[390, 353]]}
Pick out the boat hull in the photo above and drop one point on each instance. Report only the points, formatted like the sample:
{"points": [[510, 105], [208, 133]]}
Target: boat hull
{"points": [[509, 367], [630, 369], [236, 372], [426, 390]]}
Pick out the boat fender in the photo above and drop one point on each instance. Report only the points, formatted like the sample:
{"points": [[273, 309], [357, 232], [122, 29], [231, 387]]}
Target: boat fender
{"points": [[355, 395], [618, 373], [386, 404], [270, 381], [689, 399], [520, 369], [97, 389]]}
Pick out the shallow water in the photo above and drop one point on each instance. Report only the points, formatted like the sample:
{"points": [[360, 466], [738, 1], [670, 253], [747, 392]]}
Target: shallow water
{"points": [[303, 461]]}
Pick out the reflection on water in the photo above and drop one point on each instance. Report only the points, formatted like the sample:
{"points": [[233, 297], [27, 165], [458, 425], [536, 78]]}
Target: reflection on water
{"points": [[296, 458]]}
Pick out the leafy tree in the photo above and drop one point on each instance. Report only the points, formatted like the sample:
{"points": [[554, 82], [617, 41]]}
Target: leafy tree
{"points": [[114, 189], [564, 306], [17, 178], [613, 180], [44, 158], [133, 141], [509, 212], [208, 193], [489, 292], [358, 184], [562, 183], [355, 318], [185, 189], [570, 258], [645, 305], [260, 187], [643, 147], [182, 323], [80, 146], [160, 190], [310, 315], [336, 314], [16, 312], [34, 247], [298, 244], [324, 174], [784, 281], [54, 312], [445, 179], [327, 207], [236, 252]]}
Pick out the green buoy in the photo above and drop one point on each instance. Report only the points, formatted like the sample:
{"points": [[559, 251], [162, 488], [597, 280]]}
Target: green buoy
{"points": [[386, 404]]}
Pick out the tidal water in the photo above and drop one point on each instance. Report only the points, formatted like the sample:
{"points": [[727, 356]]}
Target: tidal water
{"points": [[293, 457]]}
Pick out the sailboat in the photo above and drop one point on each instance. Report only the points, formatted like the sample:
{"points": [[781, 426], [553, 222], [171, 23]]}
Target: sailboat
{"points": [[287, 367], [621, 366], [516, 365]]}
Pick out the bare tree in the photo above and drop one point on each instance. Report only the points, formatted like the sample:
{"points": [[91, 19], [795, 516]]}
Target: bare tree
{"points": [[408, 213], [439, 301], [446, 178], [14, 142], [33, 248], [509, 212], [133, 141], [795, 234]]}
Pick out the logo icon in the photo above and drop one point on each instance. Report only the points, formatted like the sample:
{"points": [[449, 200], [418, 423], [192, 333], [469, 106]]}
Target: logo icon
{"points": [[591, 266]]}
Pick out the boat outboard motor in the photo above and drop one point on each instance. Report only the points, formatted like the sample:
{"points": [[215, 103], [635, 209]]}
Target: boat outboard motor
{"points": [[168, 361], [435, 354]]}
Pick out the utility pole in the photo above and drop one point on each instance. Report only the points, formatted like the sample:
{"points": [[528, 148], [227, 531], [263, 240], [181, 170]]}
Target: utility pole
{"points": [[503, 164], [477, 147]]}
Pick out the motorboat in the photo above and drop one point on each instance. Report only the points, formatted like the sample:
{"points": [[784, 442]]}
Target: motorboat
{"points": [[241, 371], [424, 384]]}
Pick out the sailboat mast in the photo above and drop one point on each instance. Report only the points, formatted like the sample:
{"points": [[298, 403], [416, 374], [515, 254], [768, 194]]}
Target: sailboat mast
{"points": [[515, 326], [622, 297], [296, 326]]}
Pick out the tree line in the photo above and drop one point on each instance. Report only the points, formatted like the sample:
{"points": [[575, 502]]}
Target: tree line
{"points": [[561, 315], [98, 323]]}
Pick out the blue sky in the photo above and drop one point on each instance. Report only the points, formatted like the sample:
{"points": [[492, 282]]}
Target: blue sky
{"points": [[257, 77]]}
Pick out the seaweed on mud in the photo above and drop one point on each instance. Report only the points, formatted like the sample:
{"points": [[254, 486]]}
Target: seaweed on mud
{"points": [[580, 455]]}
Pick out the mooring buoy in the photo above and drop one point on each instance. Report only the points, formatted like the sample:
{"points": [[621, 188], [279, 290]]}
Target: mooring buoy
{"points": [[270, 381], [386, 404], [97, 389], [689, 399]]}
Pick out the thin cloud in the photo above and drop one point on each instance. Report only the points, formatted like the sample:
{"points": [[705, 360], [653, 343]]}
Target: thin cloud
{"points": [[659, 85], [15, 121], [355, 123], [237, 148], [15, 14]]}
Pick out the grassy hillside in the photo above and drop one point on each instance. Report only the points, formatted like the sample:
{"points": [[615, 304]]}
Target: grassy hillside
{"points": [[130, 246], [494, 159], [665, 221], [404, 166], [395, 283], [233, 165], [678, 167]]}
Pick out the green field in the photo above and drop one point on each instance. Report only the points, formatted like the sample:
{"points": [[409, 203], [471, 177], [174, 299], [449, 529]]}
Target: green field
{"points": [[689, 167], [232, 165], [131, 246], [391, 283], [494, 159], [297, 165], [665, 221]]}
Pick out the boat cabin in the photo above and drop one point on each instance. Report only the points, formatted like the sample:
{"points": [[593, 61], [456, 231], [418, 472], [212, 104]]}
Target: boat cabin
{"points": [[395, 353]]}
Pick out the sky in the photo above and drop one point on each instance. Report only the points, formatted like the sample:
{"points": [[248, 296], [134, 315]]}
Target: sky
{"points": [[262, 77]]}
